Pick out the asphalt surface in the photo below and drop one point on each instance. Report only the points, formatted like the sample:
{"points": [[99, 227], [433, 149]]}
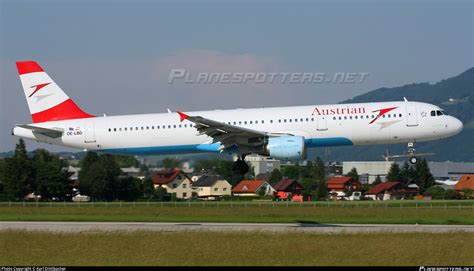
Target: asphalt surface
{"points": [[266, 227]]}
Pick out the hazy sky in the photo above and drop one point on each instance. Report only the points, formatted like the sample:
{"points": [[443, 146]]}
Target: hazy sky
{"points": [[114, 57]]}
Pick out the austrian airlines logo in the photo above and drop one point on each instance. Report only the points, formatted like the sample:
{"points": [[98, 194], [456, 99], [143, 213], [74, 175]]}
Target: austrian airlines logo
{"points": [[382, 112], [37, 88]]}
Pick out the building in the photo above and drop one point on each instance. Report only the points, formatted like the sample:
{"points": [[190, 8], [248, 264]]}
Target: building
{"points": [[450, 170], [175, 181], [288, 188], [466, 182], [391, 191], [132, 172], [212, 187], [262, 164], [249, 188], [343, 184], [368, 170]]}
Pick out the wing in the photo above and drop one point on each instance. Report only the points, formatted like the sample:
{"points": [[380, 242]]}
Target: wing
{"points": [[51, 132], [226, 134]]}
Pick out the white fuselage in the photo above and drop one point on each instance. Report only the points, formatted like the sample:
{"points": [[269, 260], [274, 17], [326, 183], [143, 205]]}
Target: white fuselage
{"points": [[320, 125]]}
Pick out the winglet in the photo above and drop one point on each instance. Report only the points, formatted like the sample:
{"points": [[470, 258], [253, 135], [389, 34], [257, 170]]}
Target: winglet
{"points": [[182, 116]]}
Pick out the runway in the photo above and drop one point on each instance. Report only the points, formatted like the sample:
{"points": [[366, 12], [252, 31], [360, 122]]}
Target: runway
{"points": [[262, 227]]}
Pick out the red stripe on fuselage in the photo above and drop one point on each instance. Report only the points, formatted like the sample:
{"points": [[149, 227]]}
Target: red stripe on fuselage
{"points": [[28, 67], [63, 111]]}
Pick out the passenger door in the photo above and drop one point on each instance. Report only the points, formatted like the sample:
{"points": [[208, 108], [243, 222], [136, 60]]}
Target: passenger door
{"points": [[412, 117], [321, 123], [89, 131]]}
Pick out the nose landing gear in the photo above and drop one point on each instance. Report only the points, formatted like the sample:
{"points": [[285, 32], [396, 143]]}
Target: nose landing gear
{"points": [[411, 152]]}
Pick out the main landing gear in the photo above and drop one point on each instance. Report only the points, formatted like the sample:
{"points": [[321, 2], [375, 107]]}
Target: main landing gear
{"points": [[411, 152], [240, 166]]}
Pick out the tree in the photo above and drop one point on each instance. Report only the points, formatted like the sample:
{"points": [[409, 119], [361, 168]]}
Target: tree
{"points": [[148, 188], [436, 192], [321, 191], [88, 173], [377, 180], [318, 169], [407, 174], [18, 174], [160, 193], [394, 173], [128, 188], [290, 171], [52, 179], [424, 178], [170, 163], [353, 174], [98, 176], [467, 192], [275, 176], [126, 161]]}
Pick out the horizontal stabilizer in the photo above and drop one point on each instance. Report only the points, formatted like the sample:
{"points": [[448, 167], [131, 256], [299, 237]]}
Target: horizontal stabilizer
{"points": [[51, 132]]}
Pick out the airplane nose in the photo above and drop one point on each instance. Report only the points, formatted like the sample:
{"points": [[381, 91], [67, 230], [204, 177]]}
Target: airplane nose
{"points": [[456, 125]]}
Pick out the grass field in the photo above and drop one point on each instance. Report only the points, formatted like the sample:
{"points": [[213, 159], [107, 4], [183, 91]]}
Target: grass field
{"points": [[233, 248], [409, 212]]}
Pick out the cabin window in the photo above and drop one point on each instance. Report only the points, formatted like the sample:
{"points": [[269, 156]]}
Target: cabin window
{"points": [[115, 129], [110, 130]]}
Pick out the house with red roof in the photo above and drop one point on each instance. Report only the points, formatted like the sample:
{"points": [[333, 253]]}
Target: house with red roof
{"points": [[251, 188], [390, 191], [288, 188], [340, 187], [175, 181], [466, 182]]}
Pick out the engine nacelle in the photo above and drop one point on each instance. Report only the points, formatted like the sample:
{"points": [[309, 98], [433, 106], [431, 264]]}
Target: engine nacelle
{"points": [[285, 147]]}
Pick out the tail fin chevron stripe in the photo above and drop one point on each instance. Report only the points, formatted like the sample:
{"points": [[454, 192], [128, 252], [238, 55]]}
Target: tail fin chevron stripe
{"points": [[46, 100]]}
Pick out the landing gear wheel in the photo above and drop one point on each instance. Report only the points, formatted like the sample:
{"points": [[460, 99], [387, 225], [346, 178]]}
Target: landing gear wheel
{"points": [[413, 160], [240, 167]]}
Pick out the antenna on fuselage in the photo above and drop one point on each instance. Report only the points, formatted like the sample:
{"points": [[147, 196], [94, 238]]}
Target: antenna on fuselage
{"points": [[405, 99], [167, 109]]}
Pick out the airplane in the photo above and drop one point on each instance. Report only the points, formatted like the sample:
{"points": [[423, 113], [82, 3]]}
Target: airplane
{"points": [[280, 132]]}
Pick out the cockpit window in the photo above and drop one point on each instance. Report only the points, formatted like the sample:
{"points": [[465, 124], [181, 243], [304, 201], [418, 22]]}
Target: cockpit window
{"points": [[435, 113]]}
